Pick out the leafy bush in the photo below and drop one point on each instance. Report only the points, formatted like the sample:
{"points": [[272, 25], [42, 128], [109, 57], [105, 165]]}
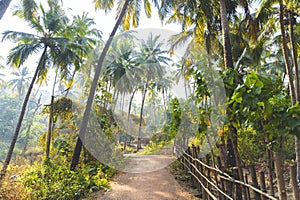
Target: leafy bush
{"points": [[55, 181]]}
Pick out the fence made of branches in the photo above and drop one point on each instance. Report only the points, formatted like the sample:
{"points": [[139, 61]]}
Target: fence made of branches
{"points": [[214, 182]]}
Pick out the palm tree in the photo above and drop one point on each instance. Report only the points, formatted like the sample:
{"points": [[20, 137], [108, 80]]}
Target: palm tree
{"points": [[132, 13], [151, 59], [85, 40], [21, 81], [54, 49], [83, 126]]}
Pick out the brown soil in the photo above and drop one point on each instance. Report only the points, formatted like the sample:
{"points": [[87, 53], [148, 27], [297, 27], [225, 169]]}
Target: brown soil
{"points": [[147, 185]]}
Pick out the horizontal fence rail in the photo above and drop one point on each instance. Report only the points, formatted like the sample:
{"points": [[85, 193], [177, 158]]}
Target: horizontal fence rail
{"points": [[214, 183]]}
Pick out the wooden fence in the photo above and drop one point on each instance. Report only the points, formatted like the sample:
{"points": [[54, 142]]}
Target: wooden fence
{"points": [[213, 183]]}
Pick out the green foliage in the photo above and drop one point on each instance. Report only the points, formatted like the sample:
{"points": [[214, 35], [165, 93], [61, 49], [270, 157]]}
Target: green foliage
{"points": [[174, 118], [56, 181]]}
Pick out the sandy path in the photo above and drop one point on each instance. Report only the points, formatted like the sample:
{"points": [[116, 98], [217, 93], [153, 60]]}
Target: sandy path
{"points": [[153, 185]]}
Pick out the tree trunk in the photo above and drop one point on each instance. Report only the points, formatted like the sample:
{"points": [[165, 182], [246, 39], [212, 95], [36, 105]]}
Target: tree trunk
{"points": [[279, 175], [297, 87], [4, 4], [21, 117], [128, 117], [78, 147], [139, 145], [285, 53], [229, 65], [269, 164], [51, 124], [297, 149], [227, 53], [48, 142]]}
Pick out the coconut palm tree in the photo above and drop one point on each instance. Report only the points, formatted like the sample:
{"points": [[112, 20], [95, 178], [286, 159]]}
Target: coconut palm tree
{"points": [[20, 81], [85, 39], [48, 41], [151, 59], [132, 13], [83, 126]]}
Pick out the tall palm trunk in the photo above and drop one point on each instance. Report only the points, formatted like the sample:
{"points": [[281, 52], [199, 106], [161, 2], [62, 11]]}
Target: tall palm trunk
{"points": [[78, 147], [229, 64], [294, 95], [297, 86], [227, 53], [139, 145], [284, 47], [128, 117], [21, 117], [50, 123], [3, 7]]}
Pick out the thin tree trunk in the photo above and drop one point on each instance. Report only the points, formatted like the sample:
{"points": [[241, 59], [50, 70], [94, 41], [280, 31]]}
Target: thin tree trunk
{"points": [[21, 117], [78, 147], [49, 133], [297, 149], [279, 175], [225, 35], [285, 53], [229, 65], [128, 117], [269, 163], [297, 86], [50, 124], [4, 4], [139, 145]]}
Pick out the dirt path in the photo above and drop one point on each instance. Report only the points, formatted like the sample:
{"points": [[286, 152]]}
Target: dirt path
{"points": [[149, 185]]}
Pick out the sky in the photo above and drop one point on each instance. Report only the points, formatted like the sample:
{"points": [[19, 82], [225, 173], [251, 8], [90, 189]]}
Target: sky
{"points": [[103, 22]]}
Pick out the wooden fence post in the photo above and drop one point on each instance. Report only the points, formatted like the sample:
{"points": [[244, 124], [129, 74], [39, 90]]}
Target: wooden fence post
{"points": [[207, 172], [262, 184], [195, 182], [293, 175], [191, 169], [254, 181]]}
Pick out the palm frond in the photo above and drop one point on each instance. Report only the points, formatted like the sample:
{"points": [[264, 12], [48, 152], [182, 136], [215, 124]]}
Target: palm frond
{"points": [[29, 9], [19, 54], [180, 39], [106, 5], [17, 36]]}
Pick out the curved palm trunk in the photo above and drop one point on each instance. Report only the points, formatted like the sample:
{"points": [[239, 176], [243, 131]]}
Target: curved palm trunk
{"points": [[3, 7], [78, 147], [139, 145], [22, 114]]}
